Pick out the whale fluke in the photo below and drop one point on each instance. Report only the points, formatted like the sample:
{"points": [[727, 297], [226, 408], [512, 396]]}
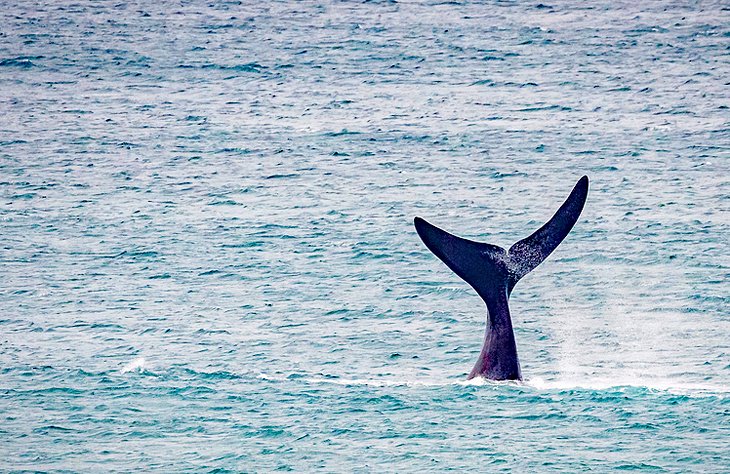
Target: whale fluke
{"points": [[530, 252], [493, 272]]}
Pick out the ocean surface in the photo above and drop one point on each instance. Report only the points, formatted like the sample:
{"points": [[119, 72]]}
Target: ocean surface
{"points": [[207, 254]]}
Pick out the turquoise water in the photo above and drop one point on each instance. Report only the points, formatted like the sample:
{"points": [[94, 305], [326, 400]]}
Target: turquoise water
{"points": [[209, 263]]}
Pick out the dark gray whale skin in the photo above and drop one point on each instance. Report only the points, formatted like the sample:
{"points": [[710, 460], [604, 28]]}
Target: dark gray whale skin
{"points": [[493, 272]]}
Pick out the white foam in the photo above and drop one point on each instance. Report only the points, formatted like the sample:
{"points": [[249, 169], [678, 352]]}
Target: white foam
{"points": [[537, 383], [370, 382], [136, 364], [660, 385], [393, 382]]}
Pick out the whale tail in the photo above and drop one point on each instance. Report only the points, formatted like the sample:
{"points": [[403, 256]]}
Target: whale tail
{"points": [[489, 268], [493, 272]]}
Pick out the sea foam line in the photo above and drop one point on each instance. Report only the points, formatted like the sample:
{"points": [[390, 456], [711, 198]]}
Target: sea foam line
{"points": [[659, 385]]}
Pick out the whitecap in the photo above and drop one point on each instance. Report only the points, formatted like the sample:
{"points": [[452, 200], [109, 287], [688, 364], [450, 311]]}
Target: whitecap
{"points": [[136, 364]]}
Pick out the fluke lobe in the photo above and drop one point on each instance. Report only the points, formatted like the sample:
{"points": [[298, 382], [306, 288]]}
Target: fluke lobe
{"points": [[493, 272]]}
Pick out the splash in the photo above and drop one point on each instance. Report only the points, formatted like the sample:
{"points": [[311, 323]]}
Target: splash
{"points": [[136, 364]]}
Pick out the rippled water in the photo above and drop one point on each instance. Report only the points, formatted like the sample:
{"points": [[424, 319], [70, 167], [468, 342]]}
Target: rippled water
{"points": [[208, 257]]}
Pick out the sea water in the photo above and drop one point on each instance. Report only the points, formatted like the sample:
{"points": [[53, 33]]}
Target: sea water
{"points": [[208, 260]]}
